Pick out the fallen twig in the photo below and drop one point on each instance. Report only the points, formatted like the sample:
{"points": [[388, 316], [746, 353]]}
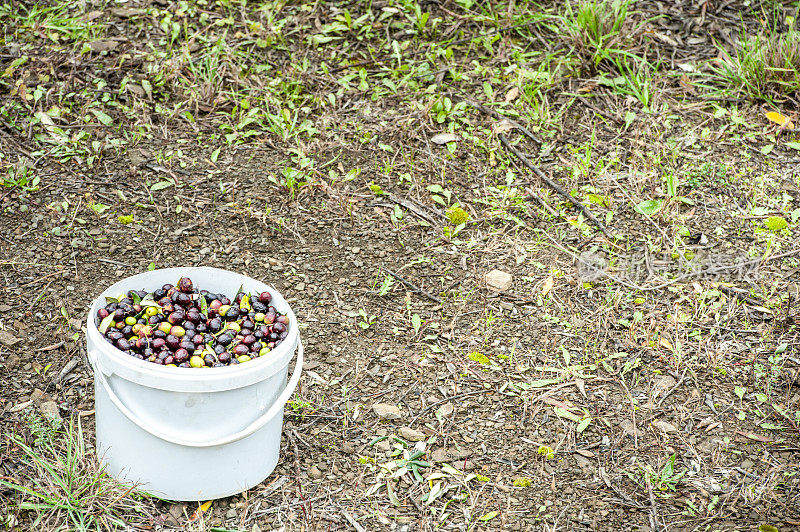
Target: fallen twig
{"points": [[414, 287], [552, 184]]}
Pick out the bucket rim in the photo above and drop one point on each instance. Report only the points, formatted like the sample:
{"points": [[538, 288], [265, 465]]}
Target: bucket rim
{"points": [[227, 377]]}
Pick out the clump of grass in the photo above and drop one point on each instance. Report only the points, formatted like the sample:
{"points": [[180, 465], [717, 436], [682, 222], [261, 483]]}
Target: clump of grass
{"points": [[762, 66], [60, 486], [595, 28]]}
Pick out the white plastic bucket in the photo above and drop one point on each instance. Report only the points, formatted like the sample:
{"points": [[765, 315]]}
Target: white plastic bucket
{"points": [[191, 434]]}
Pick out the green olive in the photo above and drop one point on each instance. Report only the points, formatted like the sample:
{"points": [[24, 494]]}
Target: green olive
{"points": [[177, 330], [232, 325], [264, 351], [196, 362], [151, 311], [243, 358], [172, 365], [130, 320], [164, 327], [224, 309], [259, 316], [137, 328]]}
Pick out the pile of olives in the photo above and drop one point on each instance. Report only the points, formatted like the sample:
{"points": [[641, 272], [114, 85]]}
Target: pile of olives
{"points": [[178, 325]]}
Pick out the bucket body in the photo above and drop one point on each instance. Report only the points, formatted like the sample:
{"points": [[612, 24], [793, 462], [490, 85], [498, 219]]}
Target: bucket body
{"points": [[191, 434]]}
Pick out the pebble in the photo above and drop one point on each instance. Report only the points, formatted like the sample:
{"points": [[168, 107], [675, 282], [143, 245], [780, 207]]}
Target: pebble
{"points": [[46, 405], [498, 280], [407, 433], [664, 426], [386, 411], [315, 473], [8, 339], [230, 514], [12, 362]]}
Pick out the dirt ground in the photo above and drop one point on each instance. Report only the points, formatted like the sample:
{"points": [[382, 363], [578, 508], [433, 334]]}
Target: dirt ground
{"points": [[638, 371]]}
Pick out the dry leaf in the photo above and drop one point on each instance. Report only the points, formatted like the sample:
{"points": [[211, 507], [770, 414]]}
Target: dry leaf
{"points": [[547, 286], [666, 344], [512, 94], [203, 508], [754, 436], [686, 84], [784, 121], [664, 426], [503, 126], [581, 385], [584, 453], [443, 138]]}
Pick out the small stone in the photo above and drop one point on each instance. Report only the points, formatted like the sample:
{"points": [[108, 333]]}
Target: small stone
{"points": [[300, 287], [498, 280], [383, 446], [12, 362], [255, 528], [5, 308], [193, 241], [409, 434], [449, 455], [664, 426], [176, 511], [662, 384], [349, 447], [628, 428], [230, 514], [8, 339], [386, 411], [46, 405], [315, 473]]}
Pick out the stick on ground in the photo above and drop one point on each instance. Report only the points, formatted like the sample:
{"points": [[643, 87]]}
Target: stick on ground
{"points": [[552, 184]]}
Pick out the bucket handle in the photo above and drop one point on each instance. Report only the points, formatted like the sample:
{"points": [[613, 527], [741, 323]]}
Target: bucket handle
{"points": [[276, 407]]}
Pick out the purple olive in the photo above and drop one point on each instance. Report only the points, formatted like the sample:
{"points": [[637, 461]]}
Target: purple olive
{"points": [[185, 285], [173, 342], [265, 297], [181, 355]]}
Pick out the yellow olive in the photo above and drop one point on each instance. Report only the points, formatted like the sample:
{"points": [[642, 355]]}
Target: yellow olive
{"points": [[196, 362]]}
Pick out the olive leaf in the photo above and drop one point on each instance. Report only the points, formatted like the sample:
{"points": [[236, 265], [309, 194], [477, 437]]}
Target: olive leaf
{"points": [[245, 303], [110, 300], [135, 297], [203, 306], [106, 323]]}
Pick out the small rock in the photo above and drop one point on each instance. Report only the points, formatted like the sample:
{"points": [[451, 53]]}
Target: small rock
{"points": [[498, 280], [255, 528], [662, 384], [8, 339], [46, 405], [449, 455], [176, 511], [383, 446], [315, 473], [5, 308], [193, 241], [12, 362], [349, 447], [443, 138], [628, 428], [664, 426], [386, 411], [407, 433], [300, 287], [230, 514]]}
